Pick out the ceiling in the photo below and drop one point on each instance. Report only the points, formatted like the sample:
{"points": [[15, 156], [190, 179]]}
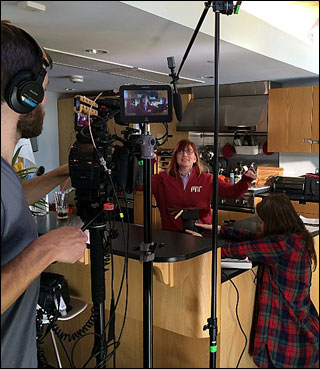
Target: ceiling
{"points": [[140, 35]]}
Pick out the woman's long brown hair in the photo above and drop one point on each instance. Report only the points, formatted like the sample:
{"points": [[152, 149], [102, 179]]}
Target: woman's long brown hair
{"points": [[280, 218], [173, 169]]}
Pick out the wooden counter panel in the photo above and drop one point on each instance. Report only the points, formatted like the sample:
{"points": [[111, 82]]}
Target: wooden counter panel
{"points": [[231, 340], [182, 308], [185, 307]]}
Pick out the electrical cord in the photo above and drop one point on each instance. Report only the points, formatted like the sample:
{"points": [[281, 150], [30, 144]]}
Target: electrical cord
{"points": [[237, 304]]}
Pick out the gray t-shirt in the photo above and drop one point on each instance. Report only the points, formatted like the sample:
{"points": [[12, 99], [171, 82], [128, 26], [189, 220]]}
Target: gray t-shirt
{"points": [[18, 230]]}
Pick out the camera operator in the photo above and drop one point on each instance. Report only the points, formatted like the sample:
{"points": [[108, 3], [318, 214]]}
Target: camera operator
{"points": [[24, 256]]}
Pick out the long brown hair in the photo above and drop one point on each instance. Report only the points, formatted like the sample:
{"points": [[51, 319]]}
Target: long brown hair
{"points": [[280, 218], [173, 168]]}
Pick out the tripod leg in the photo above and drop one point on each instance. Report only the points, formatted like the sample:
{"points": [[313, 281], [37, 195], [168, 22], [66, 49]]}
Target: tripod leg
{"points": [[55, 348]]}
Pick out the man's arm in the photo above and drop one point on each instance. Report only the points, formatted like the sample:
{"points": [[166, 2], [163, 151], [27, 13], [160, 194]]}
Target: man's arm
{"points": [[35, 188], [65, 244]]}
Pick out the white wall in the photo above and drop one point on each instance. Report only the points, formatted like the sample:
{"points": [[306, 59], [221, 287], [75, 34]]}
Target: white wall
{"points": [[48, 141], [296, 164]]}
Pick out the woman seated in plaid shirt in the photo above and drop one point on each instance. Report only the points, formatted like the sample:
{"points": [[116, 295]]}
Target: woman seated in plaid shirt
{"points": [[286, 322]]}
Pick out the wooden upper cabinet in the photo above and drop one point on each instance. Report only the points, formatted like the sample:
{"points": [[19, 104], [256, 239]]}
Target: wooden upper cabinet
{"points": [[293, 119], [315, 120]]}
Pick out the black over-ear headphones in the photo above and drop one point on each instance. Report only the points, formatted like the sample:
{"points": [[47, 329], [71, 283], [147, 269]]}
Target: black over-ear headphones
{"points": [[24, 91]]}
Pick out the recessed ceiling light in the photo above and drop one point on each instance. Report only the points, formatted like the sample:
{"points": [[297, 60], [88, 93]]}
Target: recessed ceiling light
{"points": [[69, 89], [96, 51]]}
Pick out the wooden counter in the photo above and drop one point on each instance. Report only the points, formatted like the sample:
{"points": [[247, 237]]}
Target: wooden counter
{"points": [[181, 306]]}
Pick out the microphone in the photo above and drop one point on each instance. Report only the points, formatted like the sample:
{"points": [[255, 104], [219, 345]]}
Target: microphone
{"points": [[177, 104]]}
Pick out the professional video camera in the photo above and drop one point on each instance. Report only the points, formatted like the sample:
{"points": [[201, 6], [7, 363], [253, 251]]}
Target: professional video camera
{"points": [[98, 166]]}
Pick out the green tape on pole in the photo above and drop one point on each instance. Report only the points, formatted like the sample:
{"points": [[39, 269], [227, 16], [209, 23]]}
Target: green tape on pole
{"points": [[213, 348], [140, 162]]}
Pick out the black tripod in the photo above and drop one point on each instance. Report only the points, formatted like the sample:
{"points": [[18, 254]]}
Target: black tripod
{"points": [[224, 7]]}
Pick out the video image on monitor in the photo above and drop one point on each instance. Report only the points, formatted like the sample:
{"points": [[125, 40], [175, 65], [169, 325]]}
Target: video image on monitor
{"points": [[146, 103]]}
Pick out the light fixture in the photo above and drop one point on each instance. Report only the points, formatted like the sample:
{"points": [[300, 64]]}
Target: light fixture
{"points": [[69, 89], [31, 6], [206, 77], [96, 51], [76, 79]]}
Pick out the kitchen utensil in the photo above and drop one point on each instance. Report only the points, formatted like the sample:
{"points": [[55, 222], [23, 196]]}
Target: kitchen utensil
{"points": [[227, 150], [265, 149]]}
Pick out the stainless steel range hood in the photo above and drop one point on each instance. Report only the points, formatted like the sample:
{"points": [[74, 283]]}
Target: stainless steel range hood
{"points": [[242, 107]]}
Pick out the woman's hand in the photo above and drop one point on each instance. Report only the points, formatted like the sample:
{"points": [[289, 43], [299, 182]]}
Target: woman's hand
{"points": [[207, 227], [250, 173], [196, 234]]}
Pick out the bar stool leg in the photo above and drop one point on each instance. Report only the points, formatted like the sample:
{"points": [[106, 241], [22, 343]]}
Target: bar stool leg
{"points": [[55, 348]]}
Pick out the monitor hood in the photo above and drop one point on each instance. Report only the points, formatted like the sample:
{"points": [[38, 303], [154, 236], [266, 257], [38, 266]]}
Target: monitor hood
{"points": [[242, 107]]}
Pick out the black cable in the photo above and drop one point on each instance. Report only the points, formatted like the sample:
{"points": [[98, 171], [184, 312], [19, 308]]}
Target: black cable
{"points": [[255, 276], [67, 354], [165, 136], [75, 335], [237, 304]]}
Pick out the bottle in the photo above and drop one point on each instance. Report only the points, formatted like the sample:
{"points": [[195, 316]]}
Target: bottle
{"points": [[237, 176], [231, 176]]}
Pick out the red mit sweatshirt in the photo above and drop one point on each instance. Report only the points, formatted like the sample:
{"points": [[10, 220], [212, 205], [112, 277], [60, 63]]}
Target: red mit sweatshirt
{"points": [[170, 194]]}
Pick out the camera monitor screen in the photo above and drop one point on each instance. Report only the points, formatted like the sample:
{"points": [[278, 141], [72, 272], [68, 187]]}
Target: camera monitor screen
{"points": [[145, 103]]}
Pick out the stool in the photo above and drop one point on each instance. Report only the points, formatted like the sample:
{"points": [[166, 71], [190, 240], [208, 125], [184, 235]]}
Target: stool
{"points": [[78, 306]]}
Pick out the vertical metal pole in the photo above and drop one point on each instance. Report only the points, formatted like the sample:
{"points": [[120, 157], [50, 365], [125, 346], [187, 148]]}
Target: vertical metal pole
{"points": [[213, 325], [147, 267]]}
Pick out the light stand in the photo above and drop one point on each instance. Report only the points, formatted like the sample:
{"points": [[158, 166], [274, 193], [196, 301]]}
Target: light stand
{"points": [[224, 7], [147, 247]]}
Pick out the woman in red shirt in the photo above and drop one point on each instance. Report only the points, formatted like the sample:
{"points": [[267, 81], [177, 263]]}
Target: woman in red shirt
{"points": [[185, 186], [286, 322]]}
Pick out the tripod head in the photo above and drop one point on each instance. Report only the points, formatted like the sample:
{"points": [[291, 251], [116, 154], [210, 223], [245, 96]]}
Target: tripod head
{"points": [[226, 7]]}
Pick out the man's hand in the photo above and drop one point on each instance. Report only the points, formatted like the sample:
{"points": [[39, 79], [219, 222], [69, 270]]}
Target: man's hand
{"points": [[66, 244]]}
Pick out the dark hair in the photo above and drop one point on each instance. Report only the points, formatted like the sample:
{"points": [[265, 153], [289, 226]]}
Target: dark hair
{"points": [[173, 169], [18, 54], [280, 218]]}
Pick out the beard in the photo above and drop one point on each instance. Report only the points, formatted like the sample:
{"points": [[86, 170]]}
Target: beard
{"points": [[31, 124]]}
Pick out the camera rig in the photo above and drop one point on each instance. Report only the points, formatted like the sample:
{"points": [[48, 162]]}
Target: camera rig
{"points": [[99, 168]]}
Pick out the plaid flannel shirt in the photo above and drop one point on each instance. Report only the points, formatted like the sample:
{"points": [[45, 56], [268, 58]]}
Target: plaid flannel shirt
{"points": [[287, 322]]}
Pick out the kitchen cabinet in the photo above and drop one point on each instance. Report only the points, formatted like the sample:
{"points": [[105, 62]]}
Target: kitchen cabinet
{"points": [[308, 210], [225, 216], [293, 123], [315, 119], [138, 211]]}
